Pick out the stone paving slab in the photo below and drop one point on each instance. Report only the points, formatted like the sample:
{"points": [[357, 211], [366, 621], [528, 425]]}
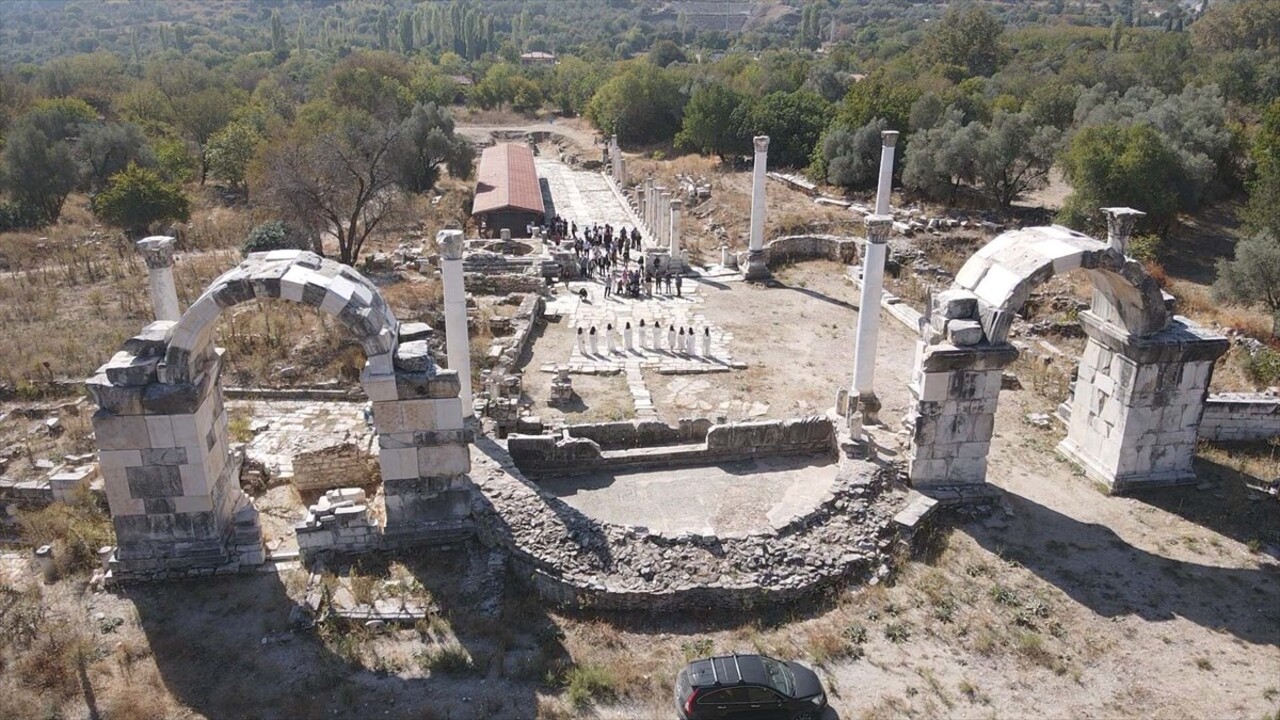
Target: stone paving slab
{"points": [[583, 196]]}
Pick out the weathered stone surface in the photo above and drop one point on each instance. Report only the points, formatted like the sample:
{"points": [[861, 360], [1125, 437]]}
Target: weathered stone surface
{"points": [[152, 341], [956, 303], [414, 357], [410, 332], [964, 332], [127, 369]]}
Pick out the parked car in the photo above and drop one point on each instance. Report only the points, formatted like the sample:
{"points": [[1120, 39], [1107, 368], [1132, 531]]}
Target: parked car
{"points": [[748, 687]]}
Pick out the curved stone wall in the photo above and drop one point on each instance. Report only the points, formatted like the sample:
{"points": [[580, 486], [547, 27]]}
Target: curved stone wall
{"points": [[794, 248], [575, 561]]}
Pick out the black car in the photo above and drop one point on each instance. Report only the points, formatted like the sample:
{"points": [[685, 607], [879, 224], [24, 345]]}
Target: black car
{"points": [[748, 687]]}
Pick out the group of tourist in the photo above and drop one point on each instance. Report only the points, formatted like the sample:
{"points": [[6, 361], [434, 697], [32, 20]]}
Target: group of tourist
{"points": [[677, 341]]}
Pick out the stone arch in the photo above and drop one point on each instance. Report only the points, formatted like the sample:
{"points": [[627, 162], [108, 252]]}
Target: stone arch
{"points": [[296, 276], [169, 469], [1141, 383]]}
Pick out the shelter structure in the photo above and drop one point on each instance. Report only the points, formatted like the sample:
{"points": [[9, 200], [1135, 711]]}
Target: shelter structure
{"points": [[508, 193]]}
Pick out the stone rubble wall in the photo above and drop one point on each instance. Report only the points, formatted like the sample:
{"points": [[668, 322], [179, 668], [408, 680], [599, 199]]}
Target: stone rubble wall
{"points": [[794, 248], [338, 522], [575, 561], [480, 283], [641, 433], [543, 455], [508, 349], [1241, 417]]}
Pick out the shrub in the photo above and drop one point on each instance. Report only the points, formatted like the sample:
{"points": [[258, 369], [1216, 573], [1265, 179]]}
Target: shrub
{"points": [[591, 684], [76, 529], [18, 216], [1263, 366], [450, 659], [274, 235], [137, 198]]}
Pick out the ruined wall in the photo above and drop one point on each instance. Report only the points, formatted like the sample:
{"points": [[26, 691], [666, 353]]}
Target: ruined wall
{"points": [[642, 433], [794, 248], [338, 522], [1240, 417], [503, 283], [556, 455], [338, 465]]}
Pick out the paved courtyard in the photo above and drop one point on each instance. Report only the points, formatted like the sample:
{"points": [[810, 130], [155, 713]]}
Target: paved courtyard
{"points": [[741, 496], [582, 196]]}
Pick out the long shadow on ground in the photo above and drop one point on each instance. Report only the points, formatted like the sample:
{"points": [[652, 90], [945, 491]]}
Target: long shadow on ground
{"points": [[225, 649], [1103, 572]]}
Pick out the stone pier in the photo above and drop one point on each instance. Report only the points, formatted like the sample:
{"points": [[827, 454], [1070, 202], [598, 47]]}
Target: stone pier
{"points": [[673, 232]]}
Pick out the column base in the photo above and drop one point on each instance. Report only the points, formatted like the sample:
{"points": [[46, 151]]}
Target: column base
{"points": [[756, 270], [868, 408], [1123, 484]]}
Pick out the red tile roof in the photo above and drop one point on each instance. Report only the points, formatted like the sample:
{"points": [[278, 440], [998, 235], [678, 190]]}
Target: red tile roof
{"points": [[507, 179]]}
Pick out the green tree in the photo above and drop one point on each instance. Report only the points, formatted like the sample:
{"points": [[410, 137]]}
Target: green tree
{"points": [[1110, 166], [941, 159], [231, 149], [573, 82], [793, 121], [1253, 275], [641, 104], [1013, 156], [666, 52], [278, 47], [384, 30], [1263, 210], [406, 33], [38, 173], [968, 37], [852, 156], [429, 144], [137, 198], [708, 125], [105, 149], [275, 235]]}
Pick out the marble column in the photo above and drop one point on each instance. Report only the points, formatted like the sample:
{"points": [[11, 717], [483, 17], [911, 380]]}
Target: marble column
{"points": [[157, 253], [756, 268], [867, 406], [457, 341], [662, 220], [673, 232]]}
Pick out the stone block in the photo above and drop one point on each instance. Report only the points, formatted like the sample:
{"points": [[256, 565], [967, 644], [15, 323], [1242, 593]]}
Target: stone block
{"points": [[414, 356], [120, 432], [192, 504], [114, 399], [971, 272], [398, 463], [154, 481], [195, 479], [160, 431], [152, 341], [119, 459], [964, 332], [449, 415], [956, 304], [164, 456], [444, 460]]}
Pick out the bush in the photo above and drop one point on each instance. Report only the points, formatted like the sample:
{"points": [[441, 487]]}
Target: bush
{"points": [[17, 216], [75, 529], [274, 235], [1263, 366], [137, 198], [590, 684], [451, 659]]}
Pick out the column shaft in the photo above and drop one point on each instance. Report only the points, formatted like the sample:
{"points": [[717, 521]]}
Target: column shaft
{"points": [[457, 341]]}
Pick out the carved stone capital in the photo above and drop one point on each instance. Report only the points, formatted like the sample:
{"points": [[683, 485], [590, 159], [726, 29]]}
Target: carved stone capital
{"points": [[451, 244], [878, 228], [157, 251], [889, 137], [762, 143]]}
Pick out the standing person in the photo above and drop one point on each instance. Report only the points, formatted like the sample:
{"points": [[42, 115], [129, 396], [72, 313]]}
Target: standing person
{"points": [[609, 343], [644, 339], [582, 347], [706, 342], [680, 343], [626, 337], [679, 282], [657, 336], [608, 286], [595, 342], [671, 338], [688, 342], [666, 279]]}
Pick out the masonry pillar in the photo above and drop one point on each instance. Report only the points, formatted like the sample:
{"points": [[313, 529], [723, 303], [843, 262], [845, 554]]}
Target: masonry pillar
{"points": [[648, 205], [171, 479], [673, 232], [756, 267], [1137, 403], [157, 253], [953, 417], [457, 342]]}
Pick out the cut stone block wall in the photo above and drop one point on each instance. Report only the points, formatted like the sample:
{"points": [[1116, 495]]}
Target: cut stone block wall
{"points": [[338, 522], [1137, 403], [341, 465], [793, 248], [641, 433], [1239, 417], [504, 284], [555, 455], [956, 392]]}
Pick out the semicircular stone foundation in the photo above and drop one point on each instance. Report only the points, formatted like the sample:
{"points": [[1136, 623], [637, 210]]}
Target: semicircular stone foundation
{"points": [[576, 561]]}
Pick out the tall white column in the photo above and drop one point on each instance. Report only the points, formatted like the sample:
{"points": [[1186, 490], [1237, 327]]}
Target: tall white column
{"points": [[864, 359], [648, 205], [673, 232], [662, 220], [457, 342], [756, 268], [157, 253]]}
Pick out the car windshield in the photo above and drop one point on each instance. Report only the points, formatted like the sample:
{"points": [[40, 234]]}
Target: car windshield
{"points": [[779, 677]]}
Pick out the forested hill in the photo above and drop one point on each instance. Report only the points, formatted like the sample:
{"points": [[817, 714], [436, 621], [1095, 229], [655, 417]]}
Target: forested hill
{"points": [[34, 31]]}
